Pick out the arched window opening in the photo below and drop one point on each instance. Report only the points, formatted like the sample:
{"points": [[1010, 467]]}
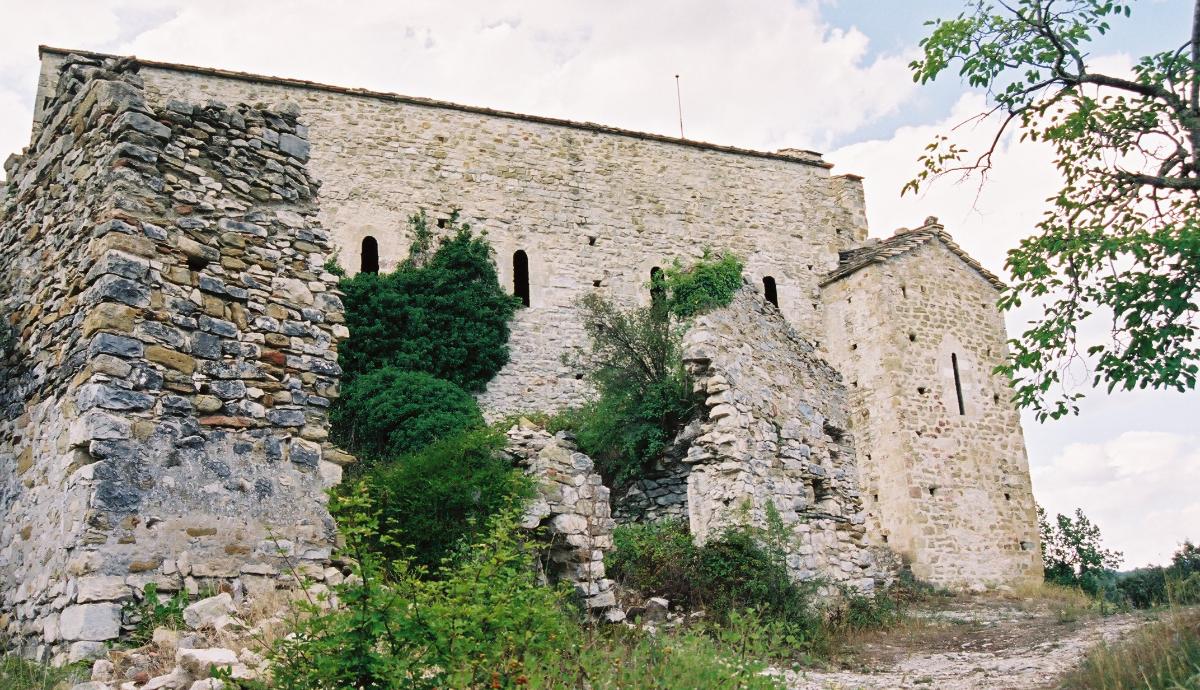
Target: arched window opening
{"points": [[962, 409], [521, 276], [658, 287], [370, 255], [769, 290]]}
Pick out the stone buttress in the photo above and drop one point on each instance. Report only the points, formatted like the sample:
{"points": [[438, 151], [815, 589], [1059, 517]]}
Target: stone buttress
{"points": [[174, 349]]}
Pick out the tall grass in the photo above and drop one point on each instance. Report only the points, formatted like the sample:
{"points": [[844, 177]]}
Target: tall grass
{"points": [[1161, 656], [17, 673]]}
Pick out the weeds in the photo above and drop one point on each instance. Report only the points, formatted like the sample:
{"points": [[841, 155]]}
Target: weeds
{"points": [[17, 673], [152, 612], [1160, 656]]}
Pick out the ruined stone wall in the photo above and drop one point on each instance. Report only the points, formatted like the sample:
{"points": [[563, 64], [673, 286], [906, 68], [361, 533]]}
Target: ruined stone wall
{"points": [[949, 492], [164, 403], [572, 508], [775, 440], [591, 206]]}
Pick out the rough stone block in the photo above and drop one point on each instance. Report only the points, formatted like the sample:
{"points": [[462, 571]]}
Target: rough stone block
{"points": [[95, 622], [101, 588]]}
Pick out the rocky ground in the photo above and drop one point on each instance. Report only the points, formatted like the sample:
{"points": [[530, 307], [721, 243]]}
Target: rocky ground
{"points": [[972, 643]]}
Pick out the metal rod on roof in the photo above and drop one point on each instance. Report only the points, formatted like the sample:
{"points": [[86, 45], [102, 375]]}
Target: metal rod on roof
{"points": [[679, 103]]}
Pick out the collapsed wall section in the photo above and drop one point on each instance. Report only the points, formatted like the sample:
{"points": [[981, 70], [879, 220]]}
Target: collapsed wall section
{"points": [[774, 447], [175, 341]]}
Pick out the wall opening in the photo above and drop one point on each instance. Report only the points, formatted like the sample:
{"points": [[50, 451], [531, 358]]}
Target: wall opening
{"points": [[658, 288], [962, 410], [521, 276], [769, 290], [370, 256]]}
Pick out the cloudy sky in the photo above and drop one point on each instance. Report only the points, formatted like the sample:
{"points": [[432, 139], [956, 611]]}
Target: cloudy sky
{"points": [[828, 75]]}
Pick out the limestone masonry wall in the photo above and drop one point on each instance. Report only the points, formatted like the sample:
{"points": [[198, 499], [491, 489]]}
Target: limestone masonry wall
{"points": [[164, 411], [775, 440], [175, 351], [947, 487], [589, 207]]}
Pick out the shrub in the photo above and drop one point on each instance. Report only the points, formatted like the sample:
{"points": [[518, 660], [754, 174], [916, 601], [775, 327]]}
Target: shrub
{"points": [[1155, 585], [645, 395], [657, 558], [739, 570], [442, 496], [444, 314], [474, 626], [708, 284], [1144, 588], [390, 412]]}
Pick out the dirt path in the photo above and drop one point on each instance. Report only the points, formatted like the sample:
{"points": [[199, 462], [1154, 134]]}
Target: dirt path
{"points": [[971, 644]]}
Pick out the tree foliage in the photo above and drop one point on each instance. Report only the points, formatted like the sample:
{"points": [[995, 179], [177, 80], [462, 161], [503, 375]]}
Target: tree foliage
{"points": [[1072, 553], [442, 313], [389, 412], [708, 284], [644, 393], [432, 502], [1121, 238]]}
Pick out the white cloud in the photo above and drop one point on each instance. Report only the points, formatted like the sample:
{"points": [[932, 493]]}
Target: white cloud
{"points": [[762, 74], [1138, 486]]}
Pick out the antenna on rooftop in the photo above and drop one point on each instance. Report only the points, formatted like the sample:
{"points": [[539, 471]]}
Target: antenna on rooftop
{"points": [[679, 103]]}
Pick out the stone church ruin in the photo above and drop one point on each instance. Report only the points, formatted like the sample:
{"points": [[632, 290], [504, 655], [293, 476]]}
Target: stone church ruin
{"points": [[173, 337]]}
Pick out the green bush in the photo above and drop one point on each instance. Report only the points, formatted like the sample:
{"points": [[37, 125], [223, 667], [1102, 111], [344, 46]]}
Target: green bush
{"points": [[390, 412], [709, 284], [656, 558], [487, 622], [739, 570], [644, 394], [628, 429], [473, 626], [432, 501], [444, 314], [1155, 585], [1144, 588]]}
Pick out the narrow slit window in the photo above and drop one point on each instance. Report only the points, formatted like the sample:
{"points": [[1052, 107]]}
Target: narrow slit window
{"points": [[370, 256], [769, 290], [521, 276], [658, 287], [962, 409]]}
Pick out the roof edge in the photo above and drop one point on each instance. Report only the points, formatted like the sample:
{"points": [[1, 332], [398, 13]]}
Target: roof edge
{"points": [[447, 105], [930, 231]]}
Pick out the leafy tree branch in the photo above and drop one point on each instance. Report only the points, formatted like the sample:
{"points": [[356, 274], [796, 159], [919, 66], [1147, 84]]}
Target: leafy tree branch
{"points": [[1121, 239]]}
